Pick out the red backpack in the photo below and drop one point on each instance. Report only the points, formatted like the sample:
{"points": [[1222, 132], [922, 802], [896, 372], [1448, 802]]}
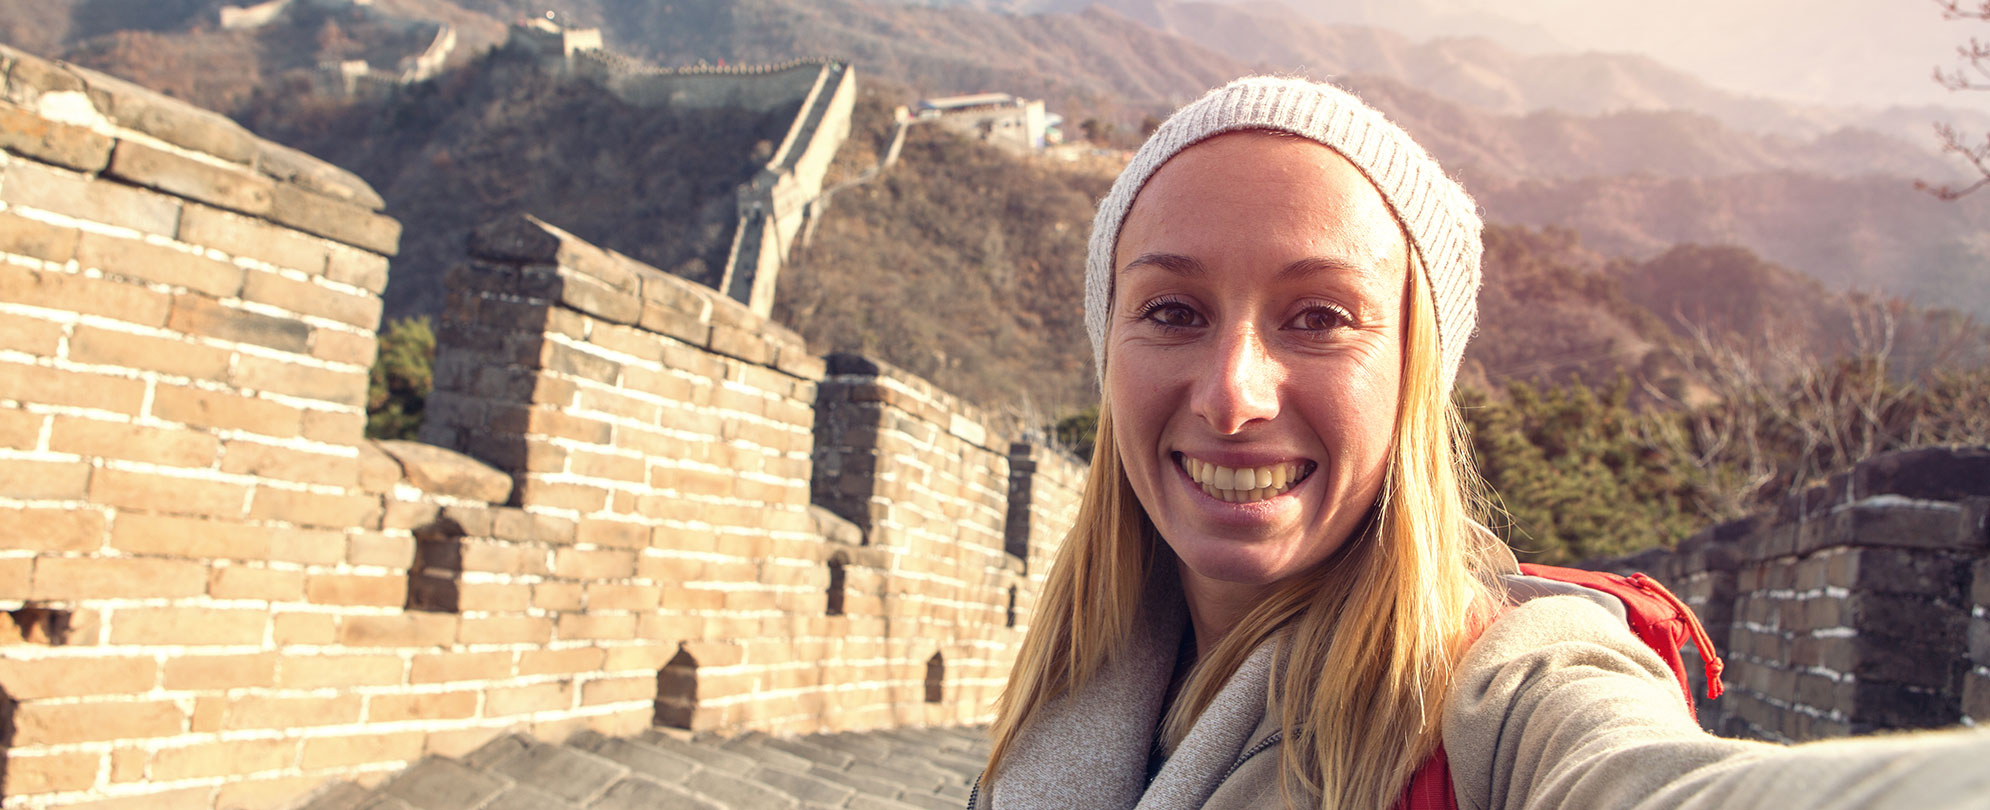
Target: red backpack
{"points": [[1655, 616]]}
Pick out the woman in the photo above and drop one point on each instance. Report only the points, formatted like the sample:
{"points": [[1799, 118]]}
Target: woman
{"points": [[1277, 593]]}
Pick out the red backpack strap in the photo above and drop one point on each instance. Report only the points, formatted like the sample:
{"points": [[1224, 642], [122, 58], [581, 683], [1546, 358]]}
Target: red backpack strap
{"points": [[1657, 617], [1430, 787]]}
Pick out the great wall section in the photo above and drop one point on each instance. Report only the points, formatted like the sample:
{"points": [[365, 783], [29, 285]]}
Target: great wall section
{"points": [[638, 502]]}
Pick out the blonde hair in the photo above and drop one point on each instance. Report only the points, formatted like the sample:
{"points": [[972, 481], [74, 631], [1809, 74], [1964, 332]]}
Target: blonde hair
{"points": [[1360, 710]]}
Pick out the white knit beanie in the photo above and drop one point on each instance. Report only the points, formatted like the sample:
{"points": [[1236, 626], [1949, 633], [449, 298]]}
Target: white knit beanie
{"points": [[1440, 218]]}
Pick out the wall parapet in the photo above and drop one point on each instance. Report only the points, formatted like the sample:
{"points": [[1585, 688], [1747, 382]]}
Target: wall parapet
{"points": [[1855, 606]]}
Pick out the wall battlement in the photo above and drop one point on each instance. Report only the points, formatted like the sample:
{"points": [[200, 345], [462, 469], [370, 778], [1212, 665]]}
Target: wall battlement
{"points": [[1861, 605], [218, 593]]}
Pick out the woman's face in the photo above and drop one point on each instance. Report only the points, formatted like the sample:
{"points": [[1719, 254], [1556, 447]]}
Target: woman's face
{"points": [[1255, 354]]}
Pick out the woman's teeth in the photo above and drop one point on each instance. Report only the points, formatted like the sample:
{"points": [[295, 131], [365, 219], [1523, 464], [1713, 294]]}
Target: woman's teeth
{"points": [[1246, 484]]}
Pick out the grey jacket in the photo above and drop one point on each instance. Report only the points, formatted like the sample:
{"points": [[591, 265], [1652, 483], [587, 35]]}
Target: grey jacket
{"points": [[1556, 706]]}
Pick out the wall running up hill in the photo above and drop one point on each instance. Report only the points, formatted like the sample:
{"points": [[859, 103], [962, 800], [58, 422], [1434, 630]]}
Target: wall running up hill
{"points": [[217, 593]]}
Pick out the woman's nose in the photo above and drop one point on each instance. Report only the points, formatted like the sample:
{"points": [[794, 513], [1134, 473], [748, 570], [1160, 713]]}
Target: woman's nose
{"points": [[1242, 387]]}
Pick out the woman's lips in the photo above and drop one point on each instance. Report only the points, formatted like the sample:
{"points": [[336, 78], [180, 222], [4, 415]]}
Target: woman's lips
{"points": [[1244, 484]]}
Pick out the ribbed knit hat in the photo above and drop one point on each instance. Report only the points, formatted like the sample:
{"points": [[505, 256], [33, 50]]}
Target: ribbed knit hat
{"points": [[1440, 218]]}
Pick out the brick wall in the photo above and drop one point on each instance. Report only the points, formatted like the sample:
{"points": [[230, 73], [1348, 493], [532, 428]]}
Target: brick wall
{"points": [[219, 594], [1857, 606]]}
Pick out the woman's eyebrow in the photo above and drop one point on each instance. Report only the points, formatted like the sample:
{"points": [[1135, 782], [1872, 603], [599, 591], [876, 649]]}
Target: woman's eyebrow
{"points": [[1318, 265], [1171, 262]]}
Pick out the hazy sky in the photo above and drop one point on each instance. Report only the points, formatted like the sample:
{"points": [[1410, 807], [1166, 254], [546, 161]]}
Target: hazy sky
{"points": [[1859, 51]]}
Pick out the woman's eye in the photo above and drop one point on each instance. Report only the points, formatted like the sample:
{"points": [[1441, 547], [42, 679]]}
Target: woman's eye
{"points": [[1319, 319], [1172, 315]]}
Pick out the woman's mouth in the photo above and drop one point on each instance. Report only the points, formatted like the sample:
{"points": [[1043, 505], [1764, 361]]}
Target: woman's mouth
{"points": [[1245, 484]]}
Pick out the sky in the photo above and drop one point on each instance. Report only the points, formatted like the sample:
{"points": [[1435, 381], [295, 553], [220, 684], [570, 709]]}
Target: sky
{"points": [[1865, 52]]}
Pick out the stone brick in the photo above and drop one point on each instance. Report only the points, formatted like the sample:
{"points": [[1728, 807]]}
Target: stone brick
{"points": [[367, 271], [460, 666], [44, 480], [565, 359], [76, 293], [160, 264], [337, 346], [568, 661], [61, 192], [31, 335], [166, 355], [595, 626], [559, 596], [34, 238], [376, 548], [17, 576], [605, 596], [257, 373], [45, 530], [128, 764], [210, 672], [55, 724], [304, 628], [231, 187], [73, 676], [168, 494], [267, 584], [336, 219], [397, 708], [413, 629], [170, 120], [617, 690], [528, 699], [594, 564], [500, 597], [288, 165], [284, 464], [93, 437], [252, 238], [28, 773], [224, 410], [338, 752], [68, 578], [306, 546], [225, 758], [356, 589], [523, 526], [259, 712], [624, 469], [188, 625], [506, 630], [446, 472], [25, 133], [577, 497], [200, 315], [313, 509], [319, 670], [306, 298]]}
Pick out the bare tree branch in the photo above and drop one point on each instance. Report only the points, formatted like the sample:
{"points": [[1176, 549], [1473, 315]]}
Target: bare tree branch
{"points": [[1973, 73]]}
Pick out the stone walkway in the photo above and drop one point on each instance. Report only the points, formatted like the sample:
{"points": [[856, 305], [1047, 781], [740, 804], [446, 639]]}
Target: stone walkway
{"points": [[896, 769]]}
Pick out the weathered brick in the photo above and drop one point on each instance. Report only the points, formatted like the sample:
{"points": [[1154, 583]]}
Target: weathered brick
{"points": [[565, 359], [171, 120], [55, 724], [356, 589], [228, 411], [160, 264], [17, 576], [291, 166], [62, 192], [337, 752], [73, 676], [578, 497], [559, 596], [367, 271], [595, 626], [337, 346], [65, 578], [304, 628], [628, 469], [412, 629], [166, 355], [225, 758], [188, 625], [569, 661], [44, 480], [34, 336], [506, 630], [617, 690], [314, 509], [34, 238], [32, 529], [70, 292], [169, 494], [200, 315], [31, 773], [93, 437], [421, 706], [259, 373], [526, 699], [523, 526], [285, 464], [376, 548], [229, 187], [209, 672], [734, 342], [237, 235], [336, 219], [605, 596], [460, 666], [19, 429], [316, 670], [244, 582], [594, 563], [28, 134], [335, 427], [306, 298], [189, 537], [255, 712], [502, 597]]}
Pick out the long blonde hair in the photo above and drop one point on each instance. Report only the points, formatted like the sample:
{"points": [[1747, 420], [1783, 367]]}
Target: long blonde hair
{"points": [[1361, 709]]}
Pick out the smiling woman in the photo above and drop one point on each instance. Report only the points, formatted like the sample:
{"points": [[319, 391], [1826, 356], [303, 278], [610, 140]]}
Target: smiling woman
{"points": [[1277, 593]]}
